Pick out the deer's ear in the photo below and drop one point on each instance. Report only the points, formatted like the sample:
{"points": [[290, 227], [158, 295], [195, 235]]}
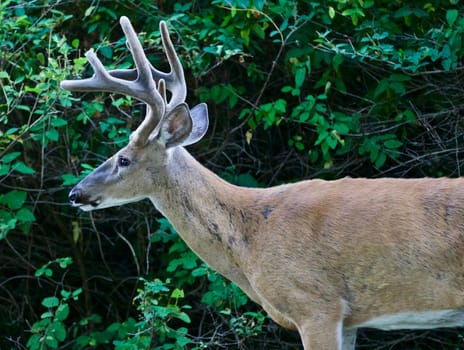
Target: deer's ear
{"points": [[199, 115], [183, 126], [176, 126]]}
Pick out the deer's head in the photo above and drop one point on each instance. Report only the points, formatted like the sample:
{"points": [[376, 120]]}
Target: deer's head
{"points": [[125, 177]]}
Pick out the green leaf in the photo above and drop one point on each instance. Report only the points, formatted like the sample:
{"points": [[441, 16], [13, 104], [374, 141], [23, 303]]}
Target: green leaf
{"points": [[9, 157], [75, 294], [64, 262], [52, 135], [322, 136], [162, 311], [34, 342], [46, 316], [69, 179], [44, 271], [259, 31], [355, 14], [11, 131], [89, 11], [381, 87], [303, 117], [13, 199], [337, 61], [25, 215], [331, 12], [341, 128], [393, 144], [128, 326], [106, 51], [286, 89], [200, 271], [6, 225], [57, 122], [50, 302], [75, 43], [380, 161], [331, 141], [58, 330], [181, 340], [446, 54], [4, 169], [399, 77], [22, 168], [451, 16], [398, 88], [300, 75], [183, 316], [34, 89], [177, 293], [280, 105], [299, 146], [51, 342], [409, 116], [113, 120], [62, 312]]}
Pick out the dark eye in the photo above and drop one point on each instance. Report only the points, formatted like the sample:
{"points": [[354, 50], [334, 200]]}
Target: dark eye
{"points": [[123, 162]]}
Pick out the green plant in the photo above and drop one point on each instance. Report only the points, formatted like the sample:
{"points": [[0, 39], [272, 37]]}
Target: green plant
{"points": [[50, 330], [159, 306], [20, 83], [14, 212], [294, 89]]}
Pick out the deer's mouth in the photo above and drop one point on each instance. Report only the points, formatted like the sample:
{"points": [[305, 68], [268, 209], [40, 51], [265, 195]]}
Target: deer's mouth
{"points": [[82, 201], [88, 206], [95, 203]]}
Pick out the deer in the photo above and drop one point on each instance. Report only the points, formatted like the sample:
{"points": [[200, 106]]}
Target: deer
{"points": [[324, 258]]}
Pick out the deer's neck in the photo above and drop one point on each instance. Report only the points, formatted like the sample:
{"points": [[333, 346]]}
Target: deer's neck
{"points": [[211, 215]]}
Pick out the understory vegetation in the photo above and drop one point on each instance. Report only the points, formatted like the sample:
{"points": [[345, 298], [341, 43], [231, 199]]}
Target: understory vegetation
{"points": [[295, 90]]}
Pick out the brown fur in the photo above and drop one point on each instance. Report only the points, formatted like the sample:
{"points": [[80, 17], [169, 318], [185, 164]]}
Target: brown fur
{"points": [[380, 246]]}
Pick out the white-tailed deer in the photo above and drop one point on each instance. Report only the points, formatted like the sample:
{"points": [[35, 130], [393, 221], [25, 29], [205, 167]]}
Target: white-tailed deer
{"points": [[321, 257]]}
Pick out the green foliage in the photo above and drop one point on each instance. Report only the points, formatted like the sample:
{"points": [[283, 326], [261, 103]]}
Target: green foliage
{"points": [[14, 213], [379, 42], [295, 90], [29, 74], [159, 306], [50, 330]]}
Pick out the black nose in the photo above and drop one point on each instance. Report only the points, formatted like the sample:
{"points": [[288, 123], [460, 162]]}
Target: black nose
{"points": [[74, 196]]}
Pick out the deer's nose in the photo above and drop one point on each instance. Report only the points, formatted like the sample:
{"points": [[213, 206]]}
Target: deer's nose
{"points": [[74, 196]]}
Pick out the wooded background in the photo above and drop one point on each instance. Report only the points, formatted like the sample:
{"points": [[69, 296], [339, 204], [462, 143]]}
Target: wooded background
{"points": [[295, 90]]}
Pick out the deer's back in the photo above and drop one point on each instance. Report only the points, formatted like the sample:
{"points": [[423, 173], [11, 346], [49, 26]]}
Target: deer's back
{"points": [[373, 243]]}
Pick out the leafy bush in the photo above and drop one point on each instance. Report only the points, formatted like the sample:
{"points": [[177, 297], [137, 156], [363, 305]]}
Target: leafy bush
{"points": [[295, 90]]}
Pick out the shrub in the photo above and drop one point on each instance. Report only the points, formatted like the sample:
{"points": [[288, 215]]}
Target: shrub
{"points": [[295, 90]]}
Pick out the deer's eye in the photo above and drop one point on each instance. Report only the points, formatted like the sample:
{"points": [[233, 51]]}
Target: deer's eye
{"points": [[123, 162]]}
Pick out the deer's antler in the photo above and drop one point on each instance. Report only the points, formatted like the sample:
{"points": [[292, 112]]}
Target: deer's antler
{"points": [[144, 83]]}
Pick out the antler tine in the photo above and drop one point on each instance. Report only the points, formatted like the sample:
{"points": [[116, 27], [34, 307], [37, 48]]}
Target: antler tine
{"points": [[174, 80], [103, 80], [142, 87], [155, 108]]}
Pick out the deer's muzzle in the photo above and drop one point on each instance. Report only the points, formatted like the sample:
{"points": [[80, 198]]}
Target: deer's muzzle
{"points": [[79, 199]]}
